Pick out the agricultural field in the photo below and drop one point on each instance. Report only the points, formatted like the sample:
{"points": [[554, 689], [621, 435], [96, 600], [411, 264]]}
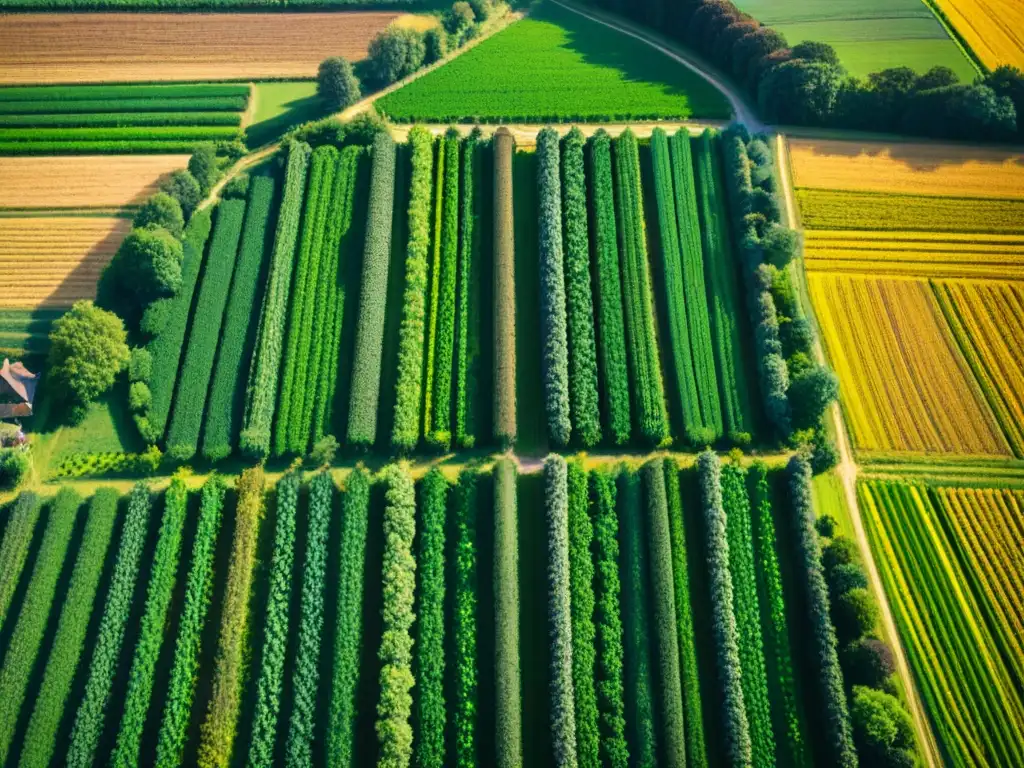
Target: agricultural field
{"points": [[567, 68], [991, 29]]}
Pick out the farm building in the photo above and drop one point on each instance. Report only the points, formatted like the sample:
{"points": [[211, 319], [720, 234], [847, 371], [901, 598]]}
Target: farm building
{"points": [[17, 390]]}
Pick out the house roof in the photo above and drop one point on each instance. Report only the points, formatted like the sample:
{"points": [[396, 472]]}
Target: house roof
{"points": [[19, 380]]}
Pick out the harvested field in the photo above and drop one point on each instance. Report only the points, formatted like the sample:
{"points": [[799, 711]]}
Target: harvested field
{"points": [[129, 47], [904, 384], [993, 28], [53, 262], [88, 181], [919, 169]]}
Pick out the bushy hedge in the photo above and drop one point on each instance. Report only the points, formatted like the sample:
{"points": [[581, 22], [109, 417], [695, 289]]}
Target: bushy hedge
{"points": [[507, 696], [586, 414], [409, 383], [181, 687], [554, 333], [164, 573], [663, 613], [563, 711], [217, 733], [639, 684], [365, 392], [696, 751], [608, 622], [89, 721], [394, 732], [430, 623], [28, 632], [227, 392], [823, 638], [435, 290], [464, 624], [69, 642], [190, 400], [21, 524], [276, 627], [724, 629], [349, 630], [467, 334], [610, 315], [299, 748], [261, 394], [504, 293], [648, 387], [748, 613]]}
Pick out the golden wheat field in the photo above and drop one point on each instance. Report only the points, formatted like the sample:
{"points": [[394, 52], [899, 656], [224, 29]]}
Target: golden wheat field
{"points": [[993, 28], [918, 169], [904, 385], [87, 181], [54, 261], [131, 47], [987, 319]]}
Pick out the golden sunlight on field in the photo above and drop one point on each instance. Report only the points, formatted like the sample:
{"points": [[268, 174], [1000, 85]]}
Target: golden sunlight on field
{"points": [[993, 28]]}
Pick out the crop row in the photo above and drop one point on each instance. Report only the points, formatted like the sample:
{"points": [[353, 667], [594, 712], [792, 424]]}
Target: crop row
{"points": [[10, 136], [467, 336], [66, 93], [125, 107], [434, 291], [120, 119], [21, 523], [507, 703], [122, 147]]}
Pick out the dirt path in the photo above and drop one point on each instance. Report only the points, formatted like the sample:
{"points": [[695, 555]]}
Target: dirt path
{"points": [[847, 471]]}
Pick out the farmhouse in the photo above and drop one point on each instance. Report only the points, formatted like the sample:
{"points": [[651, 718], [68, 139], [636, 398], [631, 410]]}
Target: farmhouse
{"points": [[17, 390]]}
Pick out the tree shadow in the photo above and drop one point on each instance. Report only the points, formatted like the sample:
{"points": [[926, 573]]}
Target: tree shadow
{"points": [[918, 155], [295, 112]]}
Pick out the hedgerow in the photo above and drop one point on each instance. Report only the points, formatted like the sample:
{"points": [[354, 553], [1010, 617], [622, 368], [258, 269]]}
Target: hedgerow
{"points": [[586, 414], [28, 631], [88, 725], [304, 302], [264, 371], [165, 348], [69, 642], [581, 580], [464, 624], [724, 630], [504, 293], [648, 387], [610, 315], [151, 633], [639, 685], [563, 711], [430, 623], [747, 609], [666, 630], [181, 687], [14, 550], [227, 391], [299, 748], [275, 632], [409, 380], [394, 732], [349, 633], [434, 300], [362, 421], [607, 588], [507, 701], [190, 400], [823, 635], [467, 336], [217, 733]]}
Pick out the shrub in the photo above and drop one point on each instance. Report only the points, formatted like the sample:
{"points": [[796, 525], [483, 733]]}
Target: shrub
{"points": [[217, 733], [160, 210], [394, 733], [430, 623], [69, 642], [555, 353], [203, 166], [324, 451], [87, 351], [610, 315], [409, 383], [882, 729], [15, 464], [236, 188], [181, 687], [504, 293], [845, 577], [458, 18], [842, 550], [264, 372], [435, 45], [275, 632], [826, 526], [337, 84], [146, 267], [810, 394], [467, 337], [867, 661], [394, 54], [579, 301], [140, 365], [507, 697], [25, 641], [158, 314], [464, 624], [183, 187], [855, 614], [362, 423], [89, 721], [349, 630], [21, 523]]}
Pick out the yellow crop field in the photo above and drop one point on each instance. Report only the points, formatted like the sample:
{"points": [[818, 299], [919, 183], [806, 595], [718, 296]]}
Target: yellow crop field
{"points": [[917, 169], [53, 262], [987, 319], [88, 181], [993, 28], [904, 385]]}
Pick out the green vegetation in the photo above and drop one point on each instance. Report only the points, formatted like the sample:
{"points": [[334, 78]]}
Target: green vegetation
{"points": [[467, 339], [21, 523], [507, 693], [504, 352], [464, 628]]}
